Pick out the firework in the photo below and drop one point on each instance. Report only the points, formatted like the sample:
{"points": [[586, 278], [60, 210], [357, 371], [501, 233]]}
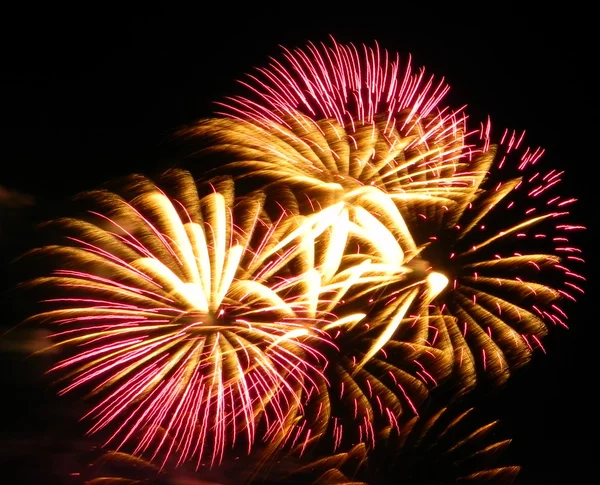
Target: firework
{"points": [[380, 373], [329, 157], [123, 469], [334, 119], [378, 249], [190, 316], [390, 348], [443, 446], [509, 258], [196, 320]]}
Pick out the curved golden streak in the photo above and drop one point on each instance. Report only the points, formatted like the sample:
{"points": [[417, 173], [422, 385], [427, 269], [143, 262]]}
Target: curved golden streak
{"points": [[201, 253], [233, 258], [314, 224], [513, 261], [217, 221], [502, 234], [478, 170], [191, 296], [382, 205], [379, 236], [349, 321], [350, 277], [386, 335], [513, 345], [521, 286], [534, 323], [488, 204], [178, 234], [338, 238], [245, 288]]}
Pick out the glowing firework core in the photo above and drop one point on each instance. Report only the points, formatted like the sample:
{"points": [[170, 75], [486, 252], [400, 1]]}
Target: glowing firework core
{"points": [[437, 282]]}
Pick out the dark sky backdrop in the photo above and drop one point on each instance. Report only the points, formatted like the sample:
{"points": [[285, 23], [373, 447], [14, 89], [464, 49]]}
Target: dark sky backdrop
{"points": [[89, 95]]}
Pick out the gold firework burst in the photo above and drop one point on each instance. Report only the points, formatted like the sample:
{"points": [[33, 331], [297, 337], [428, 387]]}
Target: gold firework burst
{"points": [[191, 316], [334, 120]]}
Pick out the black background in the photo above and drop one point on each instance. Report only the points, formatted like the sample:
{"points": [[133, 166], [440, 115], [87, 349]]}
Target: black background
{"points": [[87, 95]]}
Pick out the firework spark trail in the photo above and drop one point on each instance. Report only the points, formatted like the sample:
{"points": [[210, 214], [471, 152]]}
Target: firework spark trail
{"points": [[351, 86], [198, 317]]}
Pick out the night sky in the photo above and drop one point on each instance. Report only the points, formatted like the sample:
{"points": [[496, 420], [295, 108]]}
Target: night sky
{"points": [[87, 96]]}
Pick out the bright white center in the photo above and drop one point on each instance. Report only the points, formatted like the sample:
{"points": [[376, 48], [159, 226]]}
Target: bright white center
{"points": [[436, 282]]}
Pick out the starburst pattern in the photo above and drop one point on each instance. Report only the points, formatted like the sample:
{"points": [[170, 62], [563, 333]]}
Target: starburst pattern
{"points": [[509, 255], [198, 320], [357, 245], [390, 349], [192, 315], [336, 119]]}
